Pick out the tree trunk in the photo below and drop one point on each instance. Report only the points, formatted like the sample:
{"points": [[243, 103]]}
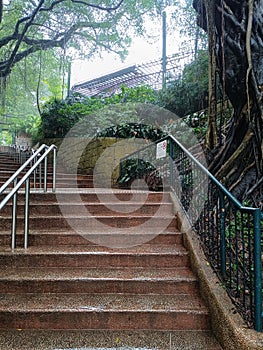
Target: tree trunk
{"points": [[239, 57], [211, 136]]}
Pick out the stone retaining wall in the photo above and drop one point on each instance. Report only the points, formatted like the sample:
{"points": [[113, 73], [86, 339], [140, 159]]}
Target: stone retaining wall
{"points": [[98, 156]]}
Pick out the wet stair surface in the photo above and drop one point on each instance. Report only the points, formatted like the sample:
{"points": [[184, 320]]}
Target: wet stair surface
{"points": [[123, 280]]}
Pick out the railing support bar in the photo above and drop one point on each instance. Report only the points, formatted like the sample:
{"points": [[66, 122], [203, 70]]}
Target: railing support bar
{"points": [[27, 193], [45, 175], [54, 169], [14, 211]]}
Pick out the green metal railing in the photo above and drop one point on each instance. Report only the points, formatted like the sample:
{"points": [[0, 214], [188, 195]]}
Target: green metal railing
{"points": [[230, 233]]}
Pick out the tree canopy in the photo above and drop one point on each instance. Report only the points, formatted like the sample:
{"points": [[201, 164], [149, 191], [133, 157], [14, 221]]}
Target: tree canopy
{"points": [[39, 38], [31, 26]]}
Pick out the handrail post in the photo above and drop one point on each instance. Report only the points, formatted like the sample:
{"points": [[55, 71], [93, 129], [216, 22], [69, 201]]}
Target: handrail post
{"points": [[27, 192], [35, 174], [14, 211], [171, 154], [40, 175], [54, 170], [258, 270], [45, 174]]}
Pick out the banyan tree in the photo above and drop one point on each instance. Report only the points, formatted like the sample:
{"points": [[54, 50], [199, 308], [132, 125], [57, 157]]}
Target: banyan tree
{"points": [[235, 34]]}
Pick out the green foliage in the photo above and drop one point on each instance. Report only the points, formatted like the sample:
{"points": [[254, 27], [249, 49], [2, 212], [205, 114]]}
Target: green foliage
{"points": [[130, 130], [34, 76], [190, 93], [134, 168], [29, 125], [59, 116], [185, 18], [5, 138], [58, 32]]}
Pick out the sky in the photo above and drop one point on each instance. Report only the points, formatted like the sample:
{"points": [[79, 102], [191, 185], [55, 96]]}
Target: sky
{"points": [[140, 52]]}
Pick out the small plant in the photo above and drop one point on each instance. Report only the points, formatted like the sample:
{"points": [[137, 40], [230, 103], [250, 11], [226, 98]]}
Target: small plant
{"points": [[134, 168]]}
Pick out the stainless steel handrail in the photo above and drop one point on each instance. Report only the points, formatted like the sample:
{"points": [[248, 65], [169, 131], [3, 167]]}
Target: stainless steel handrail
{"points": [[23, 167], [26, 179]]}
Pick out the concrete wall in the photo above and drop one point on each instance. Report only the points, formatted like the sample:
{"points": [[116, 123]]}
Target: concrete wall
{"points": [[98, 156]]}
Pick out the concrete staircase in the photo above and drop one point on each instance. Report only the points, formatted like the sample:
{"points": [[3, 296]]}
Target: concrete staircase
{"points": [[8, 165], [118, 284]]}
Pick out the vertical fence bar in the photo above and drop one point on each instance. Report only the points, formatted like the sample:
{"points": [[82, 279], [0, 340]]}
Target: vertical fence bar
{"points": [[222, 211], [258, 270], [27, 193]]}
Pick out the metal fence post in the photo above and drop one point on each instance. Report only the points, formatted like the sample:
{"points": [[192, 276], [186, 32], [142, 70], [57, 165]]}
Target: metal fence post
{"points": [[27, 192], [171, 155], [13, 233], [54, 170]]}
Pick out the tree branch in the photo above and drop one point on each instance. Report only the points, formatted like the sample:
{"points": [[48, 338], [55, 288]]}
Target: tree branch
{"points": [[15, 50], [248, 51], [1, 10], [98, 6], [37, 44]]}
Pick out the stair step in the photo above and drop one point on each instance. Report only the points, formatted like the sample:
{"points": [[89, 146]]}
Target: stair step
{"points": [[107, 340], [95, 256], [96, 196], [142, 280], [87, 223], [39, 209], [103, 311], [61, 237]]}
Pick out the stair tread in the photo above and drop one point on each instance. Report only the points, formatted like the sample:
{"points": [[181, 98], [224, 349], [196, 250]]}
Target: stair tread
{"points": [[108, 204], [84, 215], [55, 302], [70, 231], [73, 274], [146, 249], [107, 340]]}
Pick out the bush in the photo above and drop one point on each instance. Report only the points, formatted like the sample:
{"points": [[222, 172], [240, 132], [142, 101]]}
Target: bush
{"points": [[133, 169], [59, 116]]}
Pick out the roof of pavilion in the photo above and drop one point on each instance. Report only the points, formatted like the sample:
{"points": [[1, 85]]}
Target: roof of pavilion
{"points": [[145, 74]]}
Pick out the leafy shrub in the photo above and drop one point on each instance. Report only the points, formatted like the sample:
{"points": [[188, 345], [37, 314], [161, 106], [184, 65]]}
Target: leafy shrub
{"points": [[59, 116], [134, 168], [137, 130]]}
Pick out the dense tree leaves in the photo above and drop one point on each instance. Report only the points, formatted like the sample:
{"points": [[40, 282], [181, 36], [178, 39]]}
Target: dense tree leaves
{"points": [[30, 26], [39, 38]]}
